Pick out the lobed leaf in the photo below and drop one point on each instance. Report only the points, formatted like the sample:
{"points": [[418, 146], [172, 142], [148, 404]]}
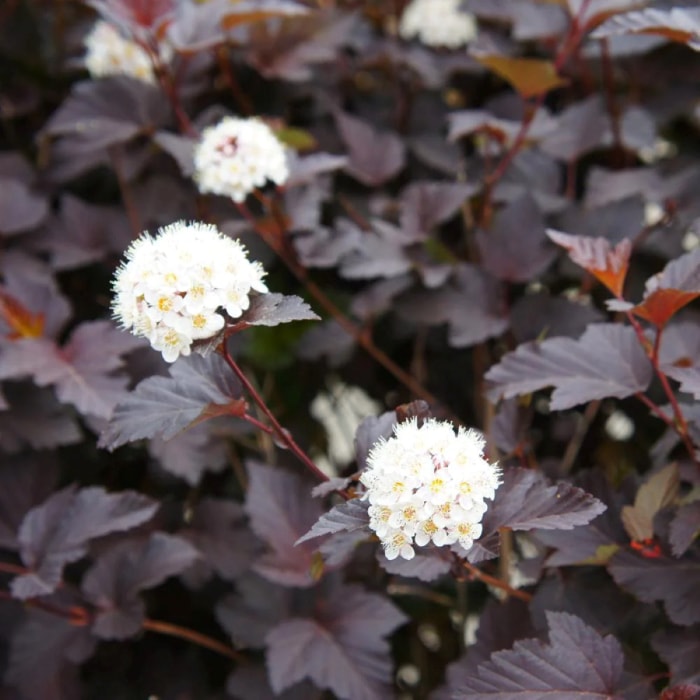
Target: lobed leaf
{"points": [[577, 662], [607, 360], [680, 650], [57, 532], [346, 517], [273, 309], [166, 405]]}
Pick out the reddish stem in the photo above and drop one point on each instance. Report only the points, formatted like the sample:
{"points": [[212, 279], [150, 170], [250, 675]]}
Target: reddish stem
{"points": [[495, 582], [244, 104], [281, 433], [189, 635]]}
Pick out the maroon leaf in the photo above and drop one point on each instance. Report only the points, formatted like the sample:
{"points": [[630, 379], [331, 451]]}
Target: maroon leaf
{"points": [[343, 649], [577, 661], [501, 624], [281, 510], [20, 209], [85, 234], [424, 205], [217, 530], [82, 371], [273, 309], [181, 148], [685, 527], [189, 454], [608, 265], [250, 614], [375, 157], [252, 683], [135, 15], [581, 128], [379, 252], [115, 580], [672, 289], [469, 324], [606, 361], [516, 248], [41, 648], [196, 28], [673, 581], [538, 316], [526, 501], [304, 169], [165, 405], [680, 24], [36, 419], [57, 532], [346, 517], [680, 650], [427, 565], [369, 431], [25, 481]]}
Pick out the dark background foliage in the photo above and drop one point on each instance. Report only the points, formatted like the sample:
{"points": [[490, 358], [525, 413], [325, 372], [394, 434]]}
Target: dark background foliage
{"points": [[475, 228]]}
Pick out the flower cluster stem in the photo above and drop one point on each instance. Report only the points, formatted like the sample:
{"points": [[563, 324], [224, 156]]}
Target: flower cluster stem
{"points": [[480, 575]]}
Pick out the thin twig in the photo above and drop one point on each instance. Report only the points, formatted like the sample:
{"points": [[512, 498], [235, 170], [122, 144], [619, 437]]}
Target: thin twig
{"points": [[582, 426], [495, 582], [189, 635], [283, 435]]}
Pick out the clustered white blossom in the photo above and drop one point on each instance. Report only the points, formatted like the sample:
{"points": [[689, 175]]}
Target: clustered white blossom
{"points": [[109, 53], [237, 156], [438, 23], [173, 288], [428, 484]]}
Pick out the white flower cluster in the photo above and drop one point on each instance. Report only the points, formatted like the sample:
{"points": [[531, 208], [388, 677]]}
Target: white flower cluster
{"points": [[438, 23], [109, 53], [173, 287], [427, 484], [237, 156]]}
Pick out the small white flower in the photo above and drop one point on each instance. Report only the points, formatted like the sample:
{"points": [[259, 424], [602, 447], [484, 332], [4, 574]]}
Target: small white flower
{"points": [[438, 23], [170, 289], [107, 52], [238, 156], [427, 484]]}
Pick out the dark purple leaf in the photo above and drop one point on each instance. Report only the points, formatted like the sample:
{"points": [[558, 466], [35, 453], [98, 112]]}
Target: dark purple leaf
{"points": [[577, 662], [188, 455], [685, 527], [114, 581], [252, 683], [31, 283], [622, 218], [525, 501], [40, 650], [327, 339], [369, 432], [288, 49], [305, 169], [680, 650], [100, 114], [136, 15], [606, 361], [82, 371], [375, 156], [196, 28], [20, 208], [343, 649], [250, 614], [538, 316], [501, 624], [515, 248], [35, 419], [281, 510], [677, 24], [25, 481], [673, 581], [57, 532], [323, 247], [85, 234], [217, 530], [469, 324], [427, 565], [334, 483], [345, 517], [377, 253], [469, 121], [166, 405], [273, 309], [581, 128], [181, 148], [425, 205]]}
